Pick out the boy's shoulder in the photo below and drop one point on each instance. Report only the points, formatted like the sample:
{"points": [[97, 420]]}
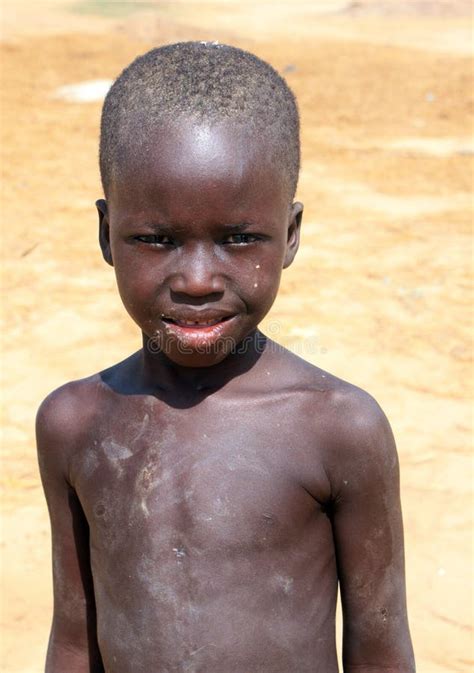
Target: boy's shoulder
{"points": [[70, 410], [323, 388], [67, 410], [349, 418]]}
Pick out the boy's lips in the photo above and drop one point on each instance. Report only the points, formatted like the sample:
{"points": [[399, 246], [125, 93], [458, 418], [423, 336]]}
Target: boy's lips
{"points": [[199, 330], [195, 322]]}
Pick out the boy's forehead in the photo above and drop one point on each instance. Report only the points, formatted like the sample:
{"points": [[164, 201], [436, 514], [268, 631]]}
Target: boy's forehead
{"points": [[191, 150], [184, 168]]}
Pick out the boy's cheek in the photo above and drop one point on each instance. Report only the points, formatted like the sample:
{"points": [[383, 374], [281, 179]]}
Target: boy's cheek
{"points": [[138, 294], [262, 295], [133, 275]]}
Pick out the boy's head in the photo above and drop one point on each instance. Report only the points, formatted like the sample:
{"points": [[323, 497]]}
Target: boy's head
{"points": [[203, 82], [199, 161]]}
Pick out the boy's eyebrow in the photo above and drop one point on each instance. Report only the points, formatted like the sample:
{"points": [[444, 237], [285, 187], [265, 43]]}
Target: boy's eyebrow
{"points": [[241, 226], [168, 228], [155, 226]]}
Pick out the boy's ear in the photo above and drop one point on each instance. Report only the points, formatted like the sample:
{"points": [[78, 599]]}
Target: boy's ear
{"points": [[104, 230], [293, 240]]}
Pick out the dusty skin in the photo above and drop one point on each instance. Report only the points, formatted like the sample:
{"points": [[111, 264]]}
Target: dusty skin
{"points": [[378, 294]]}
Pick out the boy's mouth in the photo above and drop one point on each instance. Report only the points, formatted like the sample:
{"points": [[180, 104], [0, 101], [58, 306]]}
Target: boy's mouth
{"points": [[195, 323], [196, 332]]}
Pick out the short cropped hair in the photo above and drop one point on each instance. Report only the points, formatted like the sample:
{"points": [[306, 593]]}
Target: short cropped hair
{"points": [[204, 82]]}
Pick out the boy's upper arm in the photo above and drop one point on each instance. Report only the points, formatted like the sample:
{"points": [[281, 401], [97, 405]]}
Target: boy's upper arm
{"points": [[368, 534], [73, 643]]}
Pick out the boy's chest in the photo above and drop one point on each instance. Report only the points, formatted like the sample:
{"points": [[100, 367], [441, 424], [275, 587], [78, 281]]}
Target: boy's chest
{"points": [[181, 479]]}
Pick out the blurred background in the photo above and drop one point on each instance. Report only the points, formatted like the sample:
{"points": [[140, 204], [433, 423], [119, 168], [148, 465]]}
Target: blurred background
{"points": [[379, 294]]}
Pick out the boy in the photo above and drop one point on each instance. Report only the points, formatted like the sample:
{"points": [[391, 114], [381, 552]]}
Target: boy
{"points": [[208, 493]]}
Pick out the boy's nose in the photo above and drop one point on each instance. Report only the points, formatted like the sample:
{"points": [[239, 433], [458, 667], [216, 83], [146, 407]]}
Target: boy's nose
{"points": [[197, 275]]}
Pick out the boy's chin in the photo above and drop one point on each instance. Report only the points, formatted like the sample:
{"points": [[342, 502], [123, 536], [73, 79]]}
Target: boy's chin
{"points": [[188, 357], [196, 360]]}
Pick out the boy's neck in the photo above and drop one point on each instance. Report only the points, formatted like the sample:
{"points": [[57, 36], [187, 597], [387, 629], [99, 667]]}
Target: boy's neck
{"points": [[160, 372]]}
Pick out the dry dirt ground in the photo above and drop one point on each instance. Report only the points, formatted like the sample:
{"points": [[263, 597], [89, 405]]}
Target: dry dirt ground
{"points": [[380, 293]]}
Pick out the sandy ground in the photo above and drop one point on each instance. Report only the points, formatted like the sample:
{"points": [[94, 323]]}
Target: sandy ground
{"points": [[380, 293]]}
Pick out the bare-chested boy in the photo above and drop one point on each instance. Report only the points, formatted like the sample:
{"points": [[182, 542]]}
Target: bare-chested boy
{"points": [[208, 494]]}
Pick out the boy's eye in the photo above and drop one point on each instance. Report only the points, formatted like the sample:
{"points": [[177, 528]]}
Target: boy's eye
{"points": [[155, 239], [241, 239]]}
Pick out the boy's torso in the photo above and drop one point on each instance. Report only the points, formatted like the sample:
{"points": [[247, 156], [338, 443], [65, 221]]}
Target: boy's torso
{"points": [[211, 548]]}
